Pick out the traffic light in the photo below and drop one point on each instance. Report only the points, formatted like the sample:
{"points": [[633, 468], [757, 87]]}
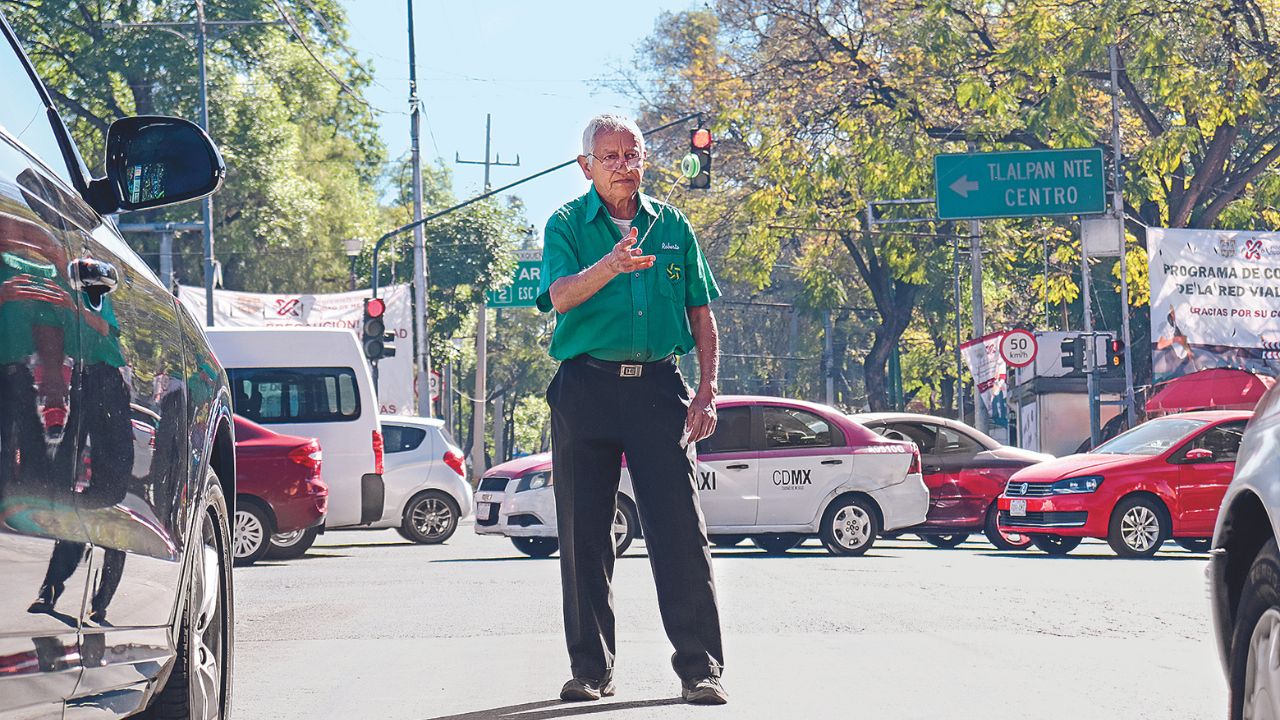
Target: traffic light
{"points": [[1072, 354], [700, 147], [374, 337], [1115, 354]]}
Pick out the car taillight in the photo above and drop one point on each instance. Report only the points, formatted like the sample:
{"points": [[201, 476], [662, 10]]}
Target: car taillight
{"points": [[915, 463], [377, 452], [456, 462], [308, 456]]}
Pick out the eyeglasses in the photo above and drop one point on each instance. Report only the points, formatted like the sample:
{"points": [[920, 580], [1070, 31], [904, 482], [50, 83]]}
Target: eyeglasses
{"points": [[613, 162]]}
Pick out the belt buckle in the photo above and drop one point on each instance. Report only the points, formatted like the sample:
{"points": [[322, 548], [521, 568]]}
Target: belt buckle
{"points": [[629, 370]]}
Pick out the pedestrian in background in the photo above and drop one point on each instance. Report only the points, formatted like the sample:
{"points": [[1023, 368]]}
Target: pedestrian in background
{"points": [[631, 290]]}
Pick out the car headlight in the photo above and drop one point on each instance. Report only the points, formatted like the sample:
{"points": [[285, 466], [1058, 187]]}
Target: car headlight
{"points": [[534, 481], [1077, 485]]}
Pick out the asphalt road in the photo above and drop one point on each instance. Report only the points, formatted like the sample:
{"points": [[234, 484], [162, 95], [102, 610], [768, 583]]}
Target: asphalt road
{"points": [[369, 626]]}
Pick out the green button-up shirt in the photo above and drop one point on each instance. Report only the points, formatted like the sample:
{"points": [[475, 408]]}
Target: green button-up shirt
{"points": [[637, 316]]}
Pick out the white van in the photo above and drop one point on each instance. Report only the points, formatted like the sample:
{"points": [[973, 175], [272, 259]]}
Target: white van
{"points": [[313, 382]]}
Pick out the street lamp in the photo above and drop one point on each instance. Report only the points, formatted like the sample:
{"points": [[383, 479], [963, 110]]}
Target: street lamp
{"points": [[352, 246]]}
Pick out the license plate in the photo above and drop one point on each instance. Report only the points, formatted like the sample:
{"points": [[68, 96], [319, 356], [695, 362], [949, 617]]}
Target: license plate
{"points": [[483, 511], [1018, 508]]}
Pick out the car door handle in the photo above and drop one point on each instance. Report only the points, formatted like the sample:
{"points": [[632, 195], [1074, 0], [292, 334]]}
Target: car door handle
{"points": [[94, 278], [832, 462], [930, 469], [739, 466]]}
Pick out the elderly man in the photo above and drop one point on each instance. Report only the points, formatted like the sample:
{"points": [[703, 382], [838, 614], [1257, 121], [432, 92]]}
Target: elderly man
{"points": [[631, 289]]}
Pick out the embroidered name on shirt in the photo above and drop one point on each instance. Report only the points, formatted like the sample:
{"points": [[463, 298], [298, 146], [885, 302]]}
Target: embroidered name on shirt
{"points": [[669, 246]]}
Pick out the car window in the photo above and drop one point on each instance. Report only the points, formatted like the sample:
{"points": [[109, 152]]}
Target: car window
{"points": [[1151, 438], [401, 438], [295, 395], [733, 432], [792, 428], [23, 116], [1223, 440], [954, 442], [924, 436]]}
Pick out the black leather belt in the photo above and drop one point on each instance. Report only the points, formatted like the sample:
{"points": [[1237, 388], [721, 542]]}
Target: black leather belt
{"points": [[624, 369]]}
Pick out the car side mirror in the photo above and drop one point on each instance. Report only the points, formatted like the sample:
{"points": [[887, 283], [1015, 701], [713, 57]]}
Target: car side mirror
{"points": [[1200, 455], [153, 161]]}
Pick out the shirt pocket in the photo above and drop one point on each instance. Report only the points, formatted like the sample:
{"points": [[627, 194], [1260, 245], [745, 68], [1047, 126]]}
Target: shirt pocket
{"points": [[671, 269]]}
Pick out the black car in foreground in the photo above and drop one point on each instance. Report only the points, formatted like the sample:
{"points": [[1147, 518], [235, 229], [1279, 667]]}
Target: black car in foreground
{"points": [[116, 452]]}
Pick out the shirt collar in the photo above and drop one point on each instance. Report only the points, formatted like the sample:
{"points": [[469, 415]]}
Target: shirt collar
{"points": [[595, 204]]}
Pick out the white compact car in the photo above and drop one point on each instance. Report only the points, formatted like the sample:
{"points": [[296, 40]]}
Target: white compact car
{"points": [[775, 471], [427, 492], [1244, 569]]}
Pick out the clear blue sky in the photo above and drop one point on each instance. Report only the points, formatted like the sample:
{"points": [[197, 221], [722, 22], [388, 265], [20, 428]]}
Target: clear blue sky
{"points": [[530, 64]]}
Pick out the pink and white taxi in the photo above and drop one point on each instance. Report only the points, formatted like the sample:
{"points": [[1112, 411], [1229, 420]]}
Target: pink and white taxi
{"points": [[776, 471]]}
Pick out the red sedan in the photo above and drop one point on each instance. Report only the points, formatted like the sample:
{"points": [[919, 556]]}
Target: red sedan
{"points": [[1163, 479], [278, 492], [965, 470]]}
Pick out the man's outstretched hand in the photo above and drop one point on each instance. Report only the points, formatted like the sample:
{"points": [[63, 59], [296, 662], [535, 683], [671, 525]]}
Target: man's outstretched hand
{"points": [[626, 257], [701, 419]]}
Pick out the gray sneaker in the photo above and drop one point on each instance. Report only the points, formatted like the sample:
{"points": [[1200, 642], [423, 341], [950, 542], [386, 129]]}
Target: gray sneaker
{"points": [[704, 691], [582, 689]]}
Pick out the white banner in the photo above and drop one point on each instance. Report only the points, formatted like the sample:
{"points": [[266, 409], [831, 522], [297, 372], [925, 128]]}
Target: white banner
{"points": [[243, 309], [990, 374], [1215, 301]]}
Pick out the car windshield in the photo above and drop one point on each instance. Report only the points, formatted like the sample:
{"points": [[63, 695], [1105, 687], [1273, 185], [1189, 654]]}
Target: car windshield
{"points": [[1151, 438]]}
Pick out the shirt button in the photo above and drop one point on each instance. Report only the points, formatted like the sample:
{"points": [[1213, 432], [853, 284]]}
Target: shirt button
{"points": [[637, 274], [640, 312], [637, 354]]}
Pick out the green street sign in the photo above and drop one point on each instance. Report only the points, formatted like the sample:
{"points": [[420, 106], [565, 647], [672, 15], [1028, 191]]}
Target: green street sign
{"points": [[1019, 184], [523, 290]]}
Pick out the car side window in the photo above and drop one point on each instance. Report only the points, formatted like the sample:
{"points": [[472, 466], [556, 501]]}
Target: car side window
{"points": [[924, 436], [792, 428], [733, 432], [954, 442], [23, 116], [400, 438], [1223, 440]]}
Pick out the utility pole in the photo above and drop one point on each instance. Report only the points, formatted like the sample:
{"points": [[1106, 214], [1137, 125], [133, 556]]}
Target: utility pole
{"points": [[981, 418], [1091, 381], [1117, 208], [829, 359], [421, 348], [482, 330], [200, 28]]}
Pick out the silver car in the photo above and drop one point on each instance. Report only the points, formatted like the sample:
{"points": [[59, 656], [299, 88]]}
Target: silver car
{"points": [[427, 492], [1244, 572]]}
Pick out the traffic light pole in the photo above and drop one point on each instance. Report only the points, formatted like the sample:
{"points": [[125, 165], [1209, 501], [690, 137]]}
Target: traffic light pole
{"points": [[1117, 207]]}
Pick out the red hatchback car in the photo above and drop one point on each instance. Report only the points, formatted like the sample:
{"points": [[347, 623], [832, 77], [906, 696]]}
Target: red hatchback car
{"points": [[278, 493], [1163, 479]]}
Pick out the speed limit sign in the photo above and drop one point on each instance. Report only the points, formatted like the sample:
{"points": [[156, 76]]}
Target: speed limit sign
{"points": [[1018, 348]]}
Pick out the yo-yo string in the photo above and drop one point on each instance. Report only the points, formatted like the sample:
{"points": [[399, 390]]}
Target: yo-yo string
{"points": [[690, 166]]}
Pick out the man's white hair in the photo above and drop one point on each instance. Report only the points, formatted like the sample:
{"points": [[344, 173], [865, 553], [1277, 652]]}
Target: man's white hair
{"points": [[608, 122]]}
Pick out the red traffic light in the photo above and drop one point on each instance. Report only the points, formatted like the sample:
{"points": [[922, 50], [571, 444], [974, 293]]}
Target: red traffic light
{"points": [[375, 307], [700, 138]]}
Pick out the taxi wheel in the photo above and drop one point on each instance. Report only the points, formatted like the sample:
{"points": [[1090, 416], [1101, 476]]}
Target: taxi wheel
{"points": [[536, 547], [1004, 539], [1055, 544], [1255, 684], [850, 526], [1193, 544], [624, 527], [727, 541], [778, 543], [251, 532], [1139, 526], [946, 542]]}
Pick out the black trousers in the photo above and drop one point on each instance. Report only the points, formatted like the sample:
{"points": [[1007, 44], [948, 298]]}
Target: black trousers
{"points": [[596, 417]]}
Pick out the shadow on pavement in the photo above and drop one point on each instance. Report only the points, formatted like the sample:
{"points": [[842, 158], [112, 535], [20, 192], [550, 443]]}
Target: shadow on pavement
{"points": [[551, 709], [1202, 557]]}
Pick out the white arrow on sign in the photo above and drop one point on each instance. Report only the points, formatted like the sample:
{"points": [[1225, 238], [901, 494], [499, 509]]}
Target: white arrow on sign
{"points": [[964, 186]]}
